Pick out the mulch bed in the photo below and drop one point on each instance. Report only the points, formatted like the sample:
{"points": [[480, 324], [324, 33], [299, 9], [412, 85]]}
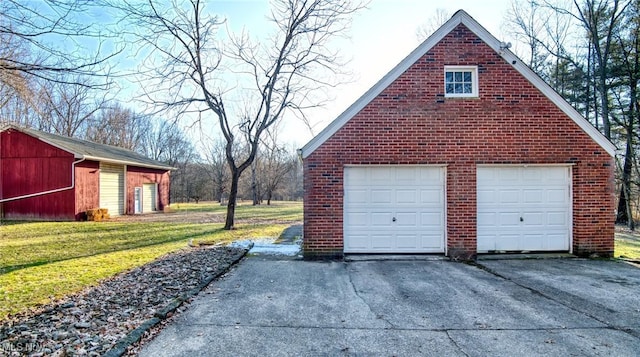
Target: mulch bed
{"points": [[109, 318]]}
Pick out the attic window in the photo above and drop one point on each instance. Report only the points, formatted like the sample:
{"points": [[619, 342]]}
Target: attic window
{"points": [[461, 81]]}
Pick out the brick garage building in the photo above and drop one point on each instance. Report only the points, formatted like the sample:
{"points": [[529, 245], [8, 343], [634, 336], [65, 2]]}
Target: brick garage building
{"points": [[460, 149], [52, 177]]}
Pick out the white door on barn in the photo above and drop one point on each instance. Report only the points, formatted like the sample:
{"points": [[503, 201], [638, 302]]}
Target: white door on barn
{"points": [[112, 188], [394, 209], [137, 200], [523, 208], [149, 197]]}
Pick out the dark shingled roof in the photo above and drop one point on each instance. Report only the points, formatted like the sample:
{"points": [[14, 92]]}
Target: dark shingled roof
{"points": [[90, 150]]}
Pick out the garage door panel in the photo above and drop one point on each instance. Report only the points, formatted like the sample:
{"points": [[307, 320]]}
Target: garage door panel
{"points": [[406, 241], [534, 241], [407, 196], [556, 242], [380, 219], [375, 195], [432, 197], [380, 177], [533, 196], [358, 196], [508, 219], [406, 175], [486, 219], [356, 176], [358, 219], [507, 242], [381, 242], [380, 196], [406, 219], [487, 195], [539, 195], [533, 219], [508, 176], [431, 220], [508, 196], [559, 196], [432, 241], [357, 241], [558, 219]]}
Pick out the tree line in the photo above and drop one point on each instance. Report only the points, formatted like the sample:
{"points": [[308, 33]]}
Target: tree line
{"points": [[196, 70], [70, 92], [589, 52]]}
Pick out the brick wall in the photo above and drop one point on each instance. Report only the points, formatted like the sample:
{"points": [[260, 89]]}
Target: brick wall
{"points": [[411, 122]]}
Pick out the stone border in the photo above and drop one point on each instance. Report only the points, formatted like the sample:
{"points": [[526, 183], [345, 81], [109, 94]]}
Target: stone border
{"points": [[120, 348]]}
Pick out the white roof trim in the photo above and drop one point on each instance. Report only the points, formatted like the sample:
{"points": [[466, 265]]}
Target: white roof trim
{"points": [[460, 17], [128, 163]]}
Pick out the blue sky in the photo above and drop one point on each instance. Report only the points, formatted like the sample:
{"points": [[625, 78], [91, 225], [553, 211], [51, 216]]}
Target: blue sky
{"points": [[380, 37]]}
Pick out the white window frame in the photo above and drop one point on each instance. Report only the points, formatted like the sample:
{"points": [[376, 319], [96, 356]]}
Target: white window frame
{"points": [[474, 81]]}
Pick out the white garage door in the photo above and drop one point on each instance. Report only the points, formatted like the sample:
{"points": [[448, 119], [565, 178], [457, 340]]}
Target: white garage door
{"points": [[149, 197], [112, 188], [394, 209], [524, 208]]}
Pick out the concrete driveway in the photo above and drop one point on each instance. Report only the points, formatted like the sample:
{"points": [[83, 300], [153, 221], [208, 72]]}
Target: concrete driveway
{"points": [[288, 307]]}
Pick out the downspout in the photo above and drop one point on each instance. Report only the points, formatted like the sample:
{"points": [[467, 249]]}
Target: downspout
{"points": [[73, 184]]}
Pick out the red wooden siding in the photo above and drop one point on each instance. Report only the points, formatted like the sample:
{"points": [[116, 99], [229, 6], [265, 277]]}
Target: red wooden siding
{"points": [[411, 122], [137, 176], [28, 166], [87, 188]]}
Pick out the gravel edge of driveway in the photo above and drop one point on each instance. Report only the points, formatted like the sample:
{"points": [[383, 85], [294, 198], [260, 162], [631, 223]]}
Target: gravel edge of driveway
{"points": [[107, 319]]}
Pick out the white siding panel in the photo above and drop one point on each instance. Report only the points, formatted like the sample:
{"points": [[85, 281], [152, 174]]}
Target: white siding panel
{"points": [[149, 194], [112, 188]]}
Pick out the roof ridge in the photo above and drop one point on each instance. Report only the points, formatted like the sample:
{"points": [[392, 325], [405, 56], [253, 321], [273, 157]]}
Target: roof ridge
{"points": [[90, 149], [460, 17]]}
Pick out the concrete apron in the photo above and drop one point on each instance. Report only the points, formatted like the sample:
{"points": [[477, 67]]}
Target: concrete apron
{"points": [[287, 306]]}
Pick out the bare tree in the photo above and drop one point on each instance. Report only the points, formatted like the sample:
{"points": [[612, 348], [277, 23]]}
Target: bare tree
{"points": [[66, 109], [275, 166], [218, 170], [281, 77], [432, 24], [526, 21], [119, 126], [32, 34], [165, 141], [600, 19]]}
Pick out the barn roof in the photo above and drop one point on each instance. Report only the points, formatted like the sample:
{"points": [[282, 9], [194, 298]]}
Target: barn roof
{"points": [[83, 149], [460, 17]]}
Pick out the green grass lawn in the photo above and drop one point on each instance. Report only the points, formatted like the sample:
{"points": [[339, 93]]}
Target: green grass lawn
{"points": [[627, 246], [43, 261]]}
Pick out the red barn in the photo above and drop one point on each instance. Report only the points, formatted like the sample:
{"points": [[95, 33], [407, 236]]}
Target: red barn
{"points": [[52, 177], [461, 149]]}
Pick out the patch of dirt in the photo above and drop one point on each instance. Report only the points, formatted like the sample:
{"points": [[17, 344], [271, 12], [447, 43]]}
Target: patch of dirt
{"points": [[173, 217], [195, 217]]}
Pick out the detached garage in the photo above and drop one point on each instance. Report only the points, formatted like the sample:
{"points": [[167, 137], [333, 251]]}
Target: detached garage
{"points": [[48, 176], [460, 149]]}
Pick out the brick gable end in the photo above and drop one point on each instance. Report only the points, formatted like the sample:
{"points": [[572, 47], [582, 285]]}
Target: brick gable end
{"points": [[411, 122]]}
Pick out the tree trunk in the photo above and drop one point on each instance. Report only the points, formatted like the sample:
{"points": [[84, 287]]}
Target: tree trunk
{"points": [[624, 202], [269, 197], [604, 99], [254, 184], [233, 195]]}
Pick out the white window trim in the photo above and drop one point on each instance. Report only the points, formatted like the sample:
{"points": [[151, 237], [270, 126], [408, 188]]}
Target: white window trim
{"points": [[474, 81]]}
